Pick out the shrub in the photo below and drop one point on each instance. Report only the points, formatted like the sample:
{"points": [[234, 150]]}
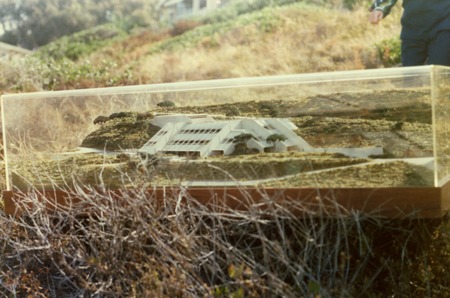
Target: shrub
{"points": [[273, 138], [165, 104], [389, 52], [135, 245], [184, 25], [80, 44], [268, 108], [232, 111], [236, 8], [60, 74]]}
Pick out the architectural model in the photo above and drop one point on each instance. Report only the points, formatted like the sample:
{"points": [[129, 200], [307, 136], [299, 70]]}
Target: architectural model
{"points": [[202, 136]]}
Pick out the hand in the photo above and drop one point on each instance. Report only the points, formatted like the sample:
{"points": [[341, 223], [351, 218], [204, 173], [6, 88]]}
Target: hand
{"points": [[375, 16]]}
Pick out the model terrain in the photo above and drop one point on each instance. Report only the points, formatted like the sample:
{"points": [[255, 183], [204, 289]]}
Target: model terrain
{"points": [[394, 124]]}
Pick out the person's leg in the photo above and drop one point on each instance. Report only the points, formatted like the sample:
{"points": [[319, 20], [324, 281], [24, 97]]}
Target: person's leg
{"points": [[414, 52], [439, 49]]}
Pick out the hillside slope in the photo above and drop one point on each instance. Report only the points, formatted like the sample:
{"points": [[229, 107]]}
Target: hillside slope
{"points": [[290, 39], [297, 38]]}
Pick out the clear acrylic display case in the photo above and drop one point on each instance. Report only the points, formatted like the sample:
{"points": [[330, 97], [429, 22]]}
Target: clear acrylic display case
{"points": [[364, 129]]}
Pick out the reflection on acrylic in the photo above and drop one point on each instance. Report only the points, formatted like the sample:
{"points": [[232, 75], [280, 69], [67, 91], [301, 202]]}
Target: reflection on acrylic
{"points": [[320, 131]]}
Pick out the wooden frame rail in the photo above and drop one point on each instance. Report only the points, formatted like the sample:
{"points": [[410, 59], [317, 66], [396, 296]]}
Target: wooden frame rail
{"points": [[419, 202]]}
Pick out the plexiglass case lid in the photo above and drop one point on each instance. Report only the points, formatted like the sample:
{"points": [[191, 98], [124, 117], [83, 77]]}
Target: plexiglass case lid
{"points": [[364, 128]]}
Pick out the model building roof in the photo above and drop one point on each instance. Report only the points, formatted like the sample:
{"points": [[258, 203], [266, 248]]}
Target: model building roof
{"points": [[202, 136]]}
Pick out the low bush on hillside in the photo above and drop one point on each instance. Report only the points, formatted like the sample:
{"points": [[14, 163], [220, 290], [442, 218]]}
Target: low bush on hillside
{"points": [[37, 74], [182, 26], [134, 245], [80, 44], [389, 52], [235, 8]]}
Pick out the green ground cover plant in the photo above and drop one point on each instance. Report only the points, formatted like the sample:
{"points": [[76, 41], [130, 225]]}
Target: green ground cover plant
{"points": [[389, 51], [82, 43]]}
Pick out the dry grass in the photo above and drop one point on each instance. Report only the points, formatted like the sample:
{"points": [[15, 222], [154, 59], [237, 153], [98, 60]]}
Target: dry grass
{"points": [[135, 246], [306, 39], [297, 38]]}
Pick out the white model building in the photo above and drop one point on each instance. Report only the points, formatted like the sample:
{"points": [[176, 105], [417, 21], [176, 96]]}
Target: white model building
{"points": [[202, 136]]}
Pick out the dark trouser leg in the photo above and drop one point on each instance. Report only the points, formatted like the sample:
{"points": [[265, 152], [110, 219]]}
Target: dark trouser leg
{"points": [[414, 52], [439, 49]]}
